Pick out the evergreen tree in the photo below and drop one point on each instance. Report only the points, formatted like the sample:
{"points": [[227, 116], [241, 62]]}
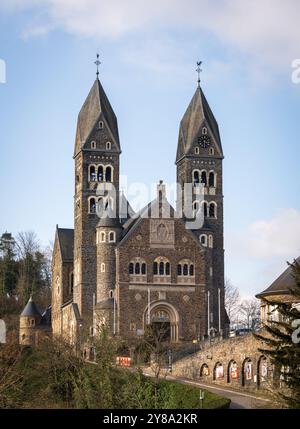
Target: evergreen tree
{"points": [[8, 265], [282, 340]]}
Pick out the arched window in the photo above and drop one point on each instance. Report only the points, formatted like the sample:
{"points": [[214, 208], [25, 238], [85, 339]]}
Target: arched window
{"points": [[93, 145], [211, 180], [211, 151], [112, 237], [191, 270], [161, 268], [92, 205], [203, 239], [108, 145], [108, 174], [102, 267], [205, 209], [111, 293], [137, 268], [100, 125], [196, 150], [100, 173], [196, 178], [102, 237], [204, 131], [204, 178], [212, 210], [92, 176], [185, 269], [210, 241], [131, 268], [196, 206], [143, 268], [167, 268]]}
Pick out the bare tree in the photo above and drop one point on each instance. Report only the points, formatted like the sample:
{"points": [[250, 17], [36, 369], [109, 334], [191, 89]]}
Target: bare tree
{"points": [[250, 313], [27, 244], [232, 301]]}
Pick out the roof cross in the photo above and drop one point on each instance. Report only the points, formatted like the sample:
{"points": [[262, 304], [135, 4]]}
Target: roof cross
{"points": [[199, 70], [97, 62]]}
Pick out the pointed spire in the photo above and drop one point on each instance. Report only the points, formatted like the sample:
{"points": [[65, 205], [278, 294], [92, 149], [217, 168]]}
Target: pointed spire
{"points": [[96, 108], [197, 114]]}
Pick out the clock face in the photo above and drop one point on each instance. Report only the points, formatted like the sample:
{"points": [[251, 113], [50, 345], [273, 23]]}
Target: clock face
{"points": [[204, 141]]}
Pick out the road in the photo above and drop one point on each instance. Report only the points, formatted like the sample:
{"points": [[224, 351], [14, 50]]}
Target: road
{"points": [[239, 400]]}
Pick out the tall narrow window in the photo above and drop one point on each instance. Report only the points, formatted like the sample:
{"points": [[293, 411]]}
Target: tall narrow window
{"points": [[131, 268], [100, 173], [204, 131], [108, 174], [137, 268], [161, 268], [204, 178], [112, 237], [92, 205], [205, 209], [212, 210], [196, 178], [185, 270], [108, 145], [93, 145], [155, 268], [196, 150], [211, 151], [143, 268], [102, 268], [100, 125], [92, 173], [179, 270], [211, 179], [102, 237], [191, 270], [167, 268]]}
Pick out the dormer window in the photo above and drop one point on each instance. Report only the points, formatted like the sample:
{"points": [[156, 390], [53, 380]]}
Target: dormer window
{"points": [[93, 144], [108, 145]]}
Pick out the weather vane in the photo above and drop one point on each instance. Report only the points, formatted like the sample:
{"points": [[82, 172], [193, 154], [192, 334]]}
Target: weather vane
{"points": [[97, 62], [199, 70]]}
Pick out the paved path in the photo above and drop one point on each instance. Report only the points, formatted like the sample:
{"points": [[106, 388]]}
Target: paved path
{"points": [[239, 400]]}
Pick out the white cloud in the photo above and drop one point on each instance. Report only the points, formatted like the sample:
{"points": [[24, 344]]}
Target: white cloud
{"points": [[278, 237], [266, 31]]}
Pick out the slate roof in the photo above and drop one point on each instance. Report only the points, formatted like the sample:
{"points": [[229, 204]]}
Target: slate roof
{"points": [[108, 219], [197, 112], [282, 285], [31, 309], [66, 243], [95, 108]]}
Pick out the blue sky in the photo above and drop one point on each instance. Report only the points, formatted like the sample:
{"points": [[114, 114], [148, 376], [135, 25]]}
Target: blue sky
{"points": [[148, 52]]}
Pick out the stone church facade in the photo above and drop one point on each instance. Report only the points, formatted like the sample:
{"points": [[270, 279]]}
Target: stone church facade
{"points": [[126, 270]]}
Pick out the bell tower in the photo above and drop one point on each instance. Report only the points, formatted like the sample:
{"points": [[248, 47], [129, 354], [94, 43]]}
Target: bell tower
{"points": [[96, 155], [199, 162]]}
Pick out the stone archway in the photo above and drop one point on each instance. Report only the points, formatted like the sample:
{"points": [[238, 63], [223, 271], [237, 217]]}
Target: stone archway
{"points": [[204, 371], [163, 316], [262, 371], [247, 372], [232, 371]]}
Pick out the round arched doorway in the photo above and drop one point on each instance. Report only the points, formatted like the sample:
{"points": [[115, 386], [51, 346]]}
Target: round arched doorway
{"points": [[164, 320]]}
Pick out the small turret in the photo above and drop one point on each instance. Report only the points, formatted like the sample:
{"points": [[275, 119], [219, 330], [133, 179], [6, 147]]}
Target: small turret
{"points": [[29, 320]]}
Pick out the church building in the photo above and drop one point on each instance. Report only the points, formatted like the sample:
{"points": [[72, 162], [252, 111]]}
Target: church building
{"points": [[126, 270]]}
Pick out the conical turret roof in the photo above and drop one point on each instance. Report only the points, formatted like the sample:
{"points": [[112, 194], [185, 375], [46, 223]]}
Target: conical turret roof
{"points": [[95, 108], [197, 113], [31, 310]]}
